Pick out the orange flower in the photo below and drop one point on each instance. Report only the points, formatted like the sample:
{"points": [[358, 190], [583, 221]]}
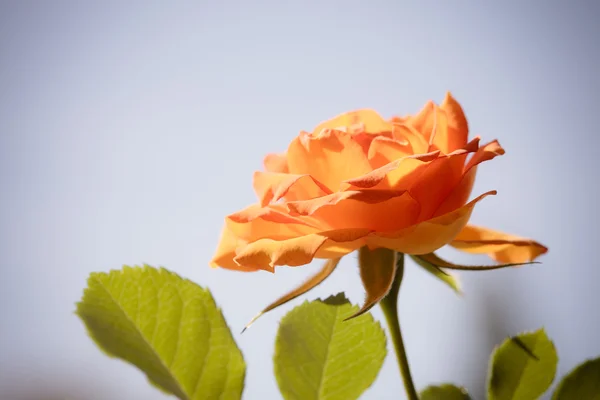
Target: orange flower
{"points": [[359, 180]]}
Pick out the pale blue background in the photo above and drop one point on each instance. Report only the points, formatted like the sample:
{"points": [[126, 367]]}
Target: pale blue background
{"points": [[128, 130]]}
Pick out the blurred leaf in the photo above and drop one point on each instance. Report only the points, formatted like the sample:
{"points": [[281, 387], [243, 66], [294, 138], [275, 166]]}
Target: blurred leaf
{"points": [[313, 281], [168, 327], [440, 263], [377, 272], [581, 383], [436, 271], [522, 367], [319, 356], [444, 392]]}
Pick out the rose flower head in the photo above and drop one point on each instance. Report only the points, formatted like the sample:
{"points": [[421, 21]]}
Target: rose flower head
{"points": [[359, 180]]}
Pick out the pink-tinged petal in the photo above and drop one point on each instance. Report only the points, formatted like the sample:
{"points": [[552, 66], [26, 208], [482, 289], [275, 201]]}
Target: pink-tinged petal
{"points": [[276, 163], [265, 254], [461, 192], [331, 157], [499, 246], [225, 253], [428, 236], [273, 186]]}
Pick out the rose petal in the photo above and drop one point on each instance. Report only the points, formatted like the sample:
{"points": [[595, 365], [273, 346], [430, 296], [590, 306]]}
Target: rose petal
{"points": [[431, 121], [421, 175], [309, 207], [378, 210], [272, 186], [458, 128], [384, 150], [485, 153], [226, 252], [428, 236], [275, 163], [418, 143], [461, 192], [355, 122], [439, 132], [265, 254], [365, 139], [439, 178], [388, 176], [274, 222], [499, 246], [444, 127], [331, 158]]}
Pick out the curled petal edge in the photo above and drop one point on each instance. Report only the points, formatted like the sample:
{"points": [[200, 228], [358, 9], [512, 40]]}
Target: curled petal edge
{"points": [[225, 253], [273, 186], [309, 207], [266, 253], [424, 237]]}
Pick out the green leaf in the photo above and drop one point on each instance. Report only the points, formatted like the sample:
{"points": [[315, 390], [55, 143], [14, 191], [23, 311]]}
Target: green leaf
{"points": [[444, 392], [377, 272], [442, 275], [522, 367], [168, 327], [432, 258], [581, 383], [319, 356], [313, 281]]}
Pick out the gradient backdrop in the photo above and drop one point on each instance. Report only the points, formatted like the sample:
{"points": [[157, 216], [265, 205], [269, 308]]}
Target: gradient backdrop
{"points": [[128, 130]]}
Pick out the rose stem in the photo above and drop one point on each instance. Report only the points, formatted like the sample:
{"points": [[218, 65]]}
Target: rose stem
{"points": [[389, 305]]}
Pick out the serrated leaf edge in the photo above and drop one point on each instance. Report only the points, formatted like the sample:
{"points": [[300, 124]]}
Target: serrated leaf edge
{"points": [[94, 277]]}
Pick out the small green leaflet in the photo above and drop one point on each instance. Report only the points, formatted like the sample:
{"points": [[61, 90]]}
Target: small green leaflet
{"points": [[319, 356], [168, 327], [444, 392], [522, 367], [581, 383]]}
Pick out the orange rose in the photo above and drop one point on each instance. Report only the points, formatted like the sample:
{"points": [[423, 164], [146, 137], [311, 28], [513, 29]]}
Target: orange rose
{"points": [[359, 180]]}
